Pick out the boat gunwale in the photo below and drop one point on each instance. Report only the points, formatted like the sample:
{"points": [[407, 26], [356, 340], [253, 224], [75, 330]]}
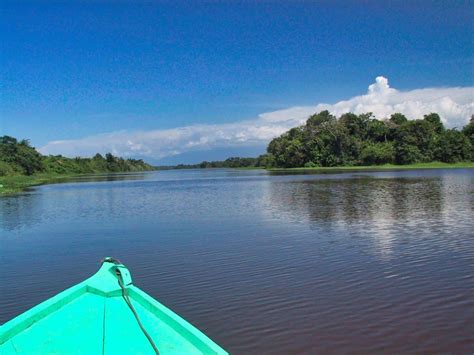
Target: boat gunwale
{"points": [[35, 314]]}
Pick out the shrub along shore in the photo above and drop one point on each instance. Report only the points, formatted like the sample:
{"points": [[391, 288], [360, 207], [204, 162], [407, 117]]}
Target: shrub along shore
{"points": [[432, 165], [21, 166]]}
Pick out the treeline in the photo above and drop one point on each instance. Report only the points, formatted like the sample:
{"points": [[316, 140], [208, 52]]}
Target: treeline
{"points": [[233, 162], [20, 158], [354, 140]]}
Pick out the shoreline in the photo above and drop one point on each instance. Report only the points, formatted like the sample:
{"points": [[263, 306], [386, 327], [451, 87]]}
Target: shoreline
{"points": [[17, 183], [433, 165], [14, 184]]}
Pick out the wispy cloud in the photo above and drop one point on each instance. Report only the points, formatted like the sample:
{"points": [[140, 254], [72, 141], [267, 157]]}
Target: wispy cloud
{"points": [[454, 104]]}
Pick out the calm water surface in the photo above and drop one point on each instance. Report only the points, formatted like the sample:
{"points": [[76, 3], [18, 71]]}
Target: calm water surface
{"points": [[354, 262]]}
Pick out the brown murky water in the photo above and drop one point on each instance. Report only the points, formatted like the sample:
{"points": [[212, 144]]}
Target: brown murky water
{"points": [[356, 262]]}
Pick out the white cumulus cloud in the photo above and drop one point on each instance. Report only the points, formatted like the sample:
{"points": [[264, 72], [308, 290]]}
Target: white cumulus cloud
{"points": [[454, 104]]}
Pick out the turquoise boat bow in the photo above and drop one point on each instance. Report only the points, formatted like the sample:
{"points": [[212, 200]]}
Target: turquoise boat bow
{"points": [[105, 314]]}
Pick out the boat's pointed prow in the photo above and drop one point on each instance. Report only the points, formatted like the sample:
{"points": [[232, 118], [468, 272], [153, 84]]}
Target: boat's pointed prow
{"points": [[105, 314]]}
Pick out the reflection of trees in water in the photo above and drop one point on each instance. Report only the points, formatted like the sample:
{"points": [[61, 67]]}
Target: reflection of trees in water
{"points": [[19, 211], [101, 177], [379, 208], [29, 209], [67, 201], [357, 199], [458, 194]]}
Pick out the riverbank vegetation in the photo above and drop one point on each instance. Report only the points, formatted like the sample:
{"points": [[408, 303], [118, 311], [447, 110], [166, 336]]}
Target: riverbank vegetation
{"points": [[21, 165], [432, 165], [362, 140], [233, 162]]}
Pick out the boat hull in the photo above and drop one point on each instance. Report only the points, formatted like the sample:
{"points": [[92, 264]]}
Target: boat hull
{"points": [[93, 318]]}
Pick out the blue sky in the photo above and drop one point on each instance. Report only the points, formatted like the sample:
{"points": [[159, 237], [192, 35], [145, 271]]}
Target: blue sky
{"points": [[69, 71]]}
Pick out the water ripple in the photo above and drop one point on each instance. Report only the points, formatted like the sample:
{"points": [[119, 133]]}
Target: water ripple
{"points": [[350, 263]]}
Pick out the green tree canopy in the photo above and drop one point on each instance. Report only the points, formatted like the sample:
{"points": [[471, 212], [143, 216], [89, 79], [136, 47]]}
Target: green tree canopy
{"points": [[361, 139], [19, 157]]}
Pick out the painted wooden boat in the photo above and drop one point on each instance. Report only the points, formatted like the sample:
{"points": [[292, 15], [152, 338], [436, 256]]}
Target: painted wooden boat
{"points": [[105, 314]]}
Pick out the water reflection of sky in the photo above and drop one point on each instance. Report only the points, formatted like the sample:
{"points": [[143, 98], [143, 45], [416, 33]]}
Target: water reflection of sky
{"points": [[374, 261], [385, 207]]}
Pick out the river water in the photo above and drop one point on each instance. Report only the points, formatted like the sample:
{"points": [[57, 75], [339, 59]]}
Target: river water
{"points": [[261, 262]]}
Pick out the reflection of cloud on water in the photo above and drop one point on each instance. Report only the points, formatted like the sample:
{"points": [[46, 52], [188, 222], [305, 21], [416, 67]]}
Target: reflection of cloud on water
{"points": [[390, 211], [458, 197], [383, 233]]}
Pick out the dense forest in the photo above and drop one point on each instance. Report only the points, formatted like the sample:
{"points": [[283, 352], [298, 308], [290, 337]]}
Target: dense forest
{"points": [[352, 140], [20, 158]]}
